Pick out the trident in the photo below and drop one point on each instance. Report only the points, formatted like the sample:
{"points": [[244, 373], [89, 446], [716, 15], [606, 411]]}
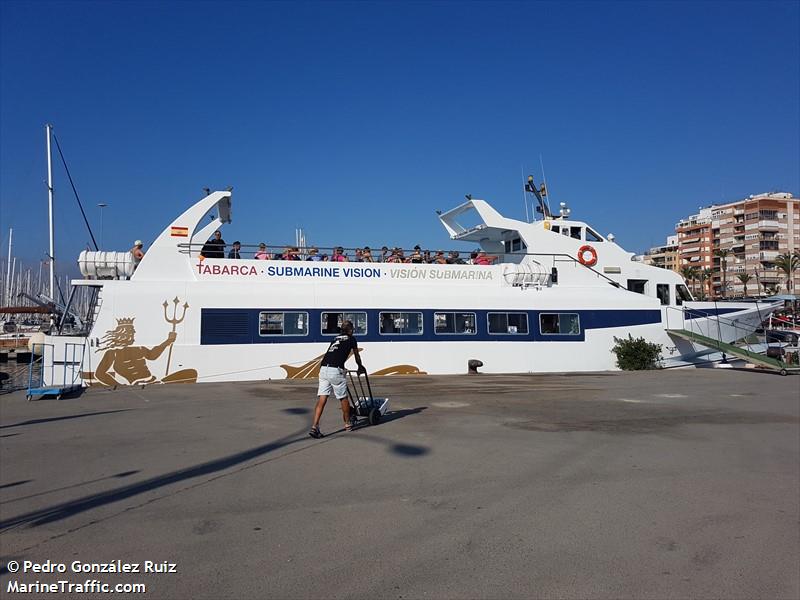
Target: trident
{"points": [[174, 322]]}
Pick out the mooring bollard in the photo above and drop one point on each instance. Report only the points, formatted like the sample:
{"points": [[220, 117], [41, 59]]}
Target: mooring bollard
{"points": [[472, 366]]}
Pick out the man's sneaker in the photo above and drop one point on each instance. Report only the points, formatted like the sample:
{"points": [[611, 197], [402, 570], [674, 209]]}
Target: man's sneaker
{"points": [[314, 432]]}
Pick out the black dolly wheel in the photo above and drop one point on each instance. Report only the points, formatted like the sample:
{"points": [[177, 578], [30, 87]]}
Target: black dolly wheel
{"points": [[784, 372], [374, 416]]}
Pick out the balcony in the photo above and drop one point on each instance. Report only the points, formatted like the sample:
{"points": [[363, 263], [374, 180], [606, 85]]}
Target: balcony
{"points": [[768, 225]]}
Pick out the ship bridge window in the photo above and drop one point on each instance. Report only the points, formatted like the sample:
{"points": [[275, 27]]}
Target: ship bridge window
{"points": [[283, 323], [555, 229], [575, 232], [662, 291], [401, 323], [514, 245], [682, 294], [637, 285], [453, 323], [560, 324], [332, 322], [591, 236], [508, 323]]}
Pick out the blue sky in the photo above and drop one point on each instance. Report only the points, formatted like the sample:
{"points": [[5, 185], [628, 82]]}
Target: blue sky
{"points": [[357, 120]]}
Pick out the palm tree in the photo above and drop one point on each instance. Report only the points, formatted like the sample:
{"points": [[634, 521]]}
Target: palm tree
{"points": [[745, 279], [723, 257], [706, 275], [788, 263], [689, 273]]}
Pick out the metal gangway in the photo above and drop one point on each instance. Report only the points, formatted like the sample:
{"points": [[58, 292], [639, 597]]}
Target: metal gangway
{"points": [[49, 377]]}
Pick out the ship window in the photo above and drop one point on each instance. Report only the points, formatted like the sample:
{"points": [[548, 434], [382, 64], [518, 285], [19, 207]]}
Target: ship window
{"points": [[637, 285], [560, 324], [682, 294], [332, 322], [555, 229], [401, 323], [575, 232], [662, 291], [454, 322], [504, 323], [283, 323], [591, 236]]}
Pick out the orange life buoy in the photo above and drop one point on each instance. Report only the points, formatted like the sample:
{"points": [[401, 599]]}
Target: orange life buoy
{"points": [[592, 260]]}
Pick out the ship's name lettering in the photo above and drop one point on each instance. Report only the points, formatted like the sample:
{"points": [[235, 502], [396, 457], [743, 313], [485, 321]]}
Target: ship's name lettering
{"points": [[440, 274], [352, 272], [205, 269]]}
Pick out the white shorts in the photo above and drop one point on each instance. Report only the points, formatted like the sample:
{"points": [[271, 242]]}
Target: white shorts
{"points": [[332, 379]]}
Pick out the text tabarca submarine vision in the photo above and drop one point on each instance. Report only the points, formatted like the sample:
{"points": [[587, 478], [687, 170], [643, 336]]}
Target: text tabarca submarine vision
{"points": [[205, 268]]}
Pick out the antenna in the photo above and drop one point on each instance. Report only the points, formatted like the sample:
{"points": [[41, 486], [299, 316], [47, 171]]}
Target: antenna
{"points": [[546, 193], [524, 199]]}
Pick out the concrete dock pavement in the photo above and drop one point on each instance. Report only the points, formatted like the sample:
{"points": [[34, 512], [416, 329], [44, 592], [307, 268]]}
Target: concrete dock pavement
{"points": [[663, 484]]}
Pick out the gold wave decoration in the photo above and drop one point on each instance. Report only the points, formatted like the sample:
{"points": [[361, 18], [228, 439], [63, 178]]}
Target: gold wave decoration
{"points": [[310, 369]]}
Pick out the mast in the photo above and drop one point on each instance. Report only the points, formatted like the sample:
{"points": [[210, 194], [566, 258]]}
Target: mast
{"points": [[8, 268], [48, 128]]}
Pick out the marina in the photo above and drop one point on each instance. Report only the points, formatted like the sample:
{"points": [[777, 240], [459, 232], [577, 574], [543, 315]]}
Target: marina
{"points": [[659, 484]]}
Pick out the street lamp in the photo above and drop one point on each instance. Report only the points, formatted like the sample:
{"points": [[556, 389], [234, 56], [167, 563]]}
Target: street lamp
{"points": [[101, 206]]}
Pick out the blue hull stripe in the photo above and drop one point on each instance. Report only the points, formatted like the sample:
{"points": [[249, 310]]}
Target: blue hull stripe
{"points": [[240, 325]]}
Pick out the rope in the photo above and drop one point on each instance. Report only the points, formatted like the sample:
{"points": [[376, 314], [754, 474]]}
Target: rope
{"points": [[66, 168]]}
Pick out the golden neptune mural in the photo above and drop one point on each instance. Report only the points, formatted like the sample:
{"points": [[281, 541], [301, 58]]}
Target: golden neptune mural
{"points": [[125, 364]]}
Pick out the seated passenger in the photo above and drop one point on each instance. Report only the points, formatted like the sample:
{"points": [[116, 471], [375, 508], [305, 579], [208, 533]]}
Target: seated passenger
{"points": [[454, 259], [359, 256], [234, 253], [290, 253], [484, 259], [416, 256], [314, 255], [385, 254], [366, 255], [439, 259], [262, 253], [339, 255], [137, 253]]}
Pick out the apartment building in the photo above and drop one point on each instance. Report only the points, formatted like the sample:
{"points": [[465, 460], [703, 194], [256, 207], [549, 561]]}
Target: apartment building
{"points": [[665, 257], [754, 231]]}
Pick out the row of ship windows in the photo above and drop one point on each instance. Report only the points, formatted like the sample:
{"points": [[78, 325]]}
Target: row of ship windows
{"points": [[410, 323]]}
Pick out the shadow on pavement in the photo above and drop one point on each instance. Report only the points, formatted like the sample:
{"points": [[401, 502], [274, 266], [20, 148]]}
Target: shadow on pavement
{"points": [[74, 507], [74, 485], [51, 419], [15, 484]]}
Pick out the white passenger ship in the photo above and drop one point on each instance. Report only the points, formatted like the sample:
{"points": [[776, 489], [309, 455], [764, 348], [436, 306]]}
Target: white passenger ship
{"points": [[554, 302]]}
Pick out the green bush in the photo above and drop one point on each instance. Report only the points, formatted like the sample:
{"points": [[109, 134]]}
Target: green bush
{"points": [[636, 354]]}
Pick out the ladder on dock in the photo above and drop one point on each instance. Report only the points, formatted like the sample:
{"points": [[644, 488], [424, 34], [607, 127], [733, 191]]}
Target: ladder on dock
{"points": [[752, 357]]}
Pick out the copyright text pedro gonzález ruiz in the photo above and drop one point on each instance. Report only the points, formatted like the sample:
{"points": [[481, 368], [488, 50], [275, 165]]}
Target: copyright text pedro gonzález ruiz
{"points": [[79, 577]]}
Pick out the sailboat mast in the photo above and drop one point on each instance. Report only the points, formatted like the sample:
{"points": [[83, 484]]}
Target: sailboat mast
{"points": [[7, 290], [48, 128]]}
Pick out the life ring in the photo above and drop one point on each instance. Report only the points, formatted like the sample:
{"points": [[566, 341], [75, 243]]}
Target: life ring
{"points": [[592, 260]]}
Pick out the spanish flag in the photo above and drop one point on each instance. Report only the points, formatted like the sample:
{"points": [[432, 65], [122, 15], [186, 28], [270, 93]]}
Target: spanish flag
{"points": [[179, 231]]}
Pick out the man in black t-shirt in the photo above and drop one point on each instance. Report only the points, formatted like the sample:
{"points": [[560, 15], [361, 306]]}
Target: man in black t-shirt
{"points": [[332, 376], [215, 247]]}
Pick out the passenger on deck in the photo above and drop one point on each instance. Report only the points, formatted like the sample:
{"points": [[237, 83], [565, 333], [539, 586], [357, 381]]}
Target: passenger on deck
{"points": [[234, 253], [215, 247], [439, 259], [262, 253], [339, 255], [385, 254], [394, 257], [454, 259], [366, 255], [484, 259], [427, 258], [359, 255], [137, 253], [314, 255], [290, 253], [415, 257]]}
